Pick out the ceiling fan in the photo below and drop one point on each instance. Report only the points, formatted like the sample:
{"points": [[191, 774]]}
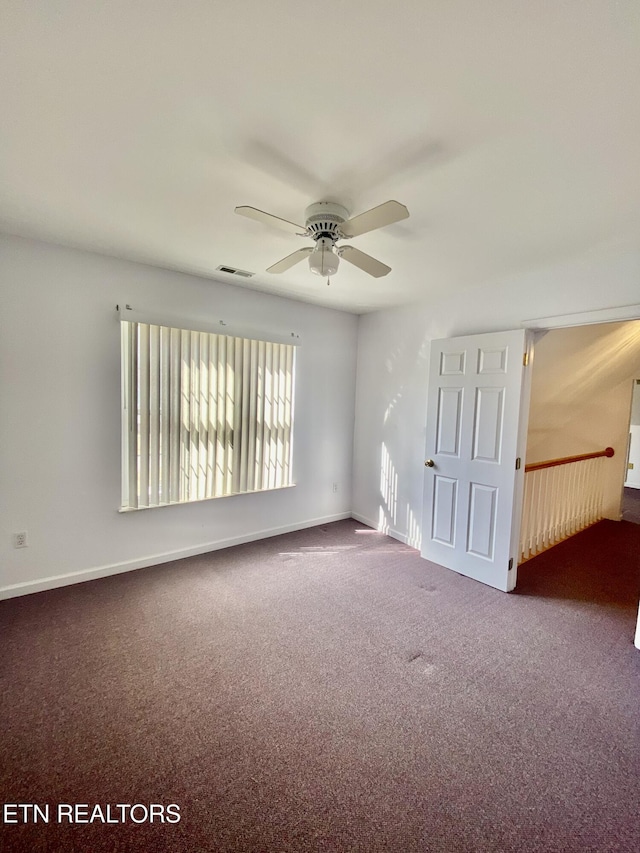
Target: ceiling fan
{"points": [[326, 223]]}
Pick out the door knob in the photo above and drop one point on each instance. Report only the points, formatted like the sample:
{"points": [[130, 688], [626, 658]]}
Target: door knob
{"points": [[429, 463]]}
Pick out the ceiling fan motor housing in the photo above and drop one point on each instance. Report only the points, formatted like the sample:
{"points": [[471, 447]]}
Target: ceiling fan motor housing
{"points": [[323, 220]]}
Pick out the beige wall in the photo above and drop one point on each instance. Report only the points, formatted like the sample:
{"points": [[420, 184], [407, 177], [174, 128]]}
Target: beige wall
{"points": [[582, 384]]}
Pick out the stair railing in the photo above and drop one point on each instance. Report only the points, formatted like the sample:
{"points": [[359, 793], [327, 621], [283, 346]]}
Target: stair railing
{"points": [[561, 497]]}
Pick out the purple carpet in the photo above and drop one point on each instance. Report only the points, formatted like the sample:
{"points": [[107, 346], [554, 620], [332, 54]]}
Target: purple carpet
{"points": [[631, 505], [329, 690]]}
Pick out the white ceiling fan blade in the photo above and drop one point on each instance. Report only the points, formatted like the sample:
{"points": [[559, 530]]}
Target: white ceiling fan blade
{"points": [[290, 260], [365, 262], [270, 219], [377, 217]]}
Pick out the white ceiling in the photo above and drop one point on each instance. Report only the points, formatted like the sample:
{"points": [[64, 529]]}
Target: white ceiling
{"points": [[509, 128]]}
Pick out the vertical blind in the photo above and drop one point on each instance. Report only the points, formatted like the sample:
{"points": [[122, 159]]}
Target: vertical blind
{"points": [[204, 415]]}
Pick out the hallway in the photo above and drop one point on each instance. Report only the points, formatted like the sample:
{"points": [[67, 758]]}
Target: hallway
{"points": [[599, 566]]}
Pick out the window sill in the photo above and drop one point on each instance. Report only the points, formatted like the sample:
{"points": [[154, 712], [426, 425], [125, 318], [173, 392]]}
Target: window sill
{"points": [[124, 509]]}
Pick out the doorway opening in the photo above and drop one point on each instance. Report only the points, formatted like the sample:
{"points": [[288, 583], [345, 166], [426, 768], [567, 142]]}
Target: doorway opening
{"points": [[581, 394], [631, 493]]}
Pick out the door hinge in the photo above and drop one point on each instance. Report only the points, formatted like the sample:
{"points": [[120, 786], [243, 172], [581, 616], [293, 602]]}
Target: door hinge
{"points": [[525, 359], [518, 463], [510, 563]]}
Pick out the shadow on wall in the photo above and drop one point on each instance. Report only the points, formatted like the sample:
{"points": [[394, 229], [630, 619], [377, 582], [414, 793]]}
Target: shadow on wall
{"points": [[612, 353]]}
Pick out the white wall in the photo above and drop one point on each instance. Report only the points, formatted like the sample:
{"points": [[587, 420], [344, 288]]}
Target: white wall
{"points": [[635, 405], [393, 355], [581, 398], [633, 474], [60, 424]]}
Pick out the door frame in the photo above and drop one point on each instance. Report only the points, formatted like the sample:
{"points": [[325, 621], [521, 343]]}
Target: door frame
{"points": [[542, 325], [587, 318]]}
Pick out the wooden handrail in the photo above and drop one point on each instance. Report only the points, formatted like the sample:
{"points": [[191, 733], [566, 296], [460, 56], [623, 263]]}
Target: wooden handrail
{"points": [[551, 463]]}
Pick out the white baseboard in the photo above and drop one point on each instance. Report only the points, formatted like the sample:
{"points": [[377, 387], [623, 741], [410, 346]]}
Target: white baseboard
{"points": [[56, 581], [394, 534], [364, 520]]}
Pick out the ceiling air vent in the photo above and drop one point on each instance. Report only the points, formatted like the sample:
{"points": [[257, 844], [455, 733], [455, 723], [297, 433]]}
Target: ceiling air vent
{"points": [[234, 271]]}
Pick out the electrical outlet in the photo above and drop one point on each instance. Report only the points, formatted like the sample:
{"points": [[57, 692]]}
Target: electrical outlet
{"points": [[20, 539], [335, 487]]}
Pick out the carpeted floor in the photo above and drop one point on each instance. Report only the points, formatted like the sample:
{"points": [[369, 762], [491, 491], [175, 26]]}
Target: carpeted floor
{"points": [[328, 690], [631, 505]]}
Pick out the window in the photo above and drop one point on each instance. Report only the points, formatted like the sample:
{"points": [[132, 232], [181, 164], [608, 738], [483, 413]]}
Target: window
{"points": [[204, 415]]}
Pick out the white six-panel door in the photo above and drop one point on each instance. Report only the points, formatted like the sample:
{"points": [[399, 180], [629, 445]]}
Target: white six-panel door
{"points": [[476, 429]]}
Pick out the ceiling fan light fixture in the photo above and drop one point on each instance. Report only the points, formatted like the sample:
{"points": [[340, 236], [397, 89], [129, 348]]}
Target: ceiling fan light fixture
{"points": [[324, 260], [326, 223]]}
